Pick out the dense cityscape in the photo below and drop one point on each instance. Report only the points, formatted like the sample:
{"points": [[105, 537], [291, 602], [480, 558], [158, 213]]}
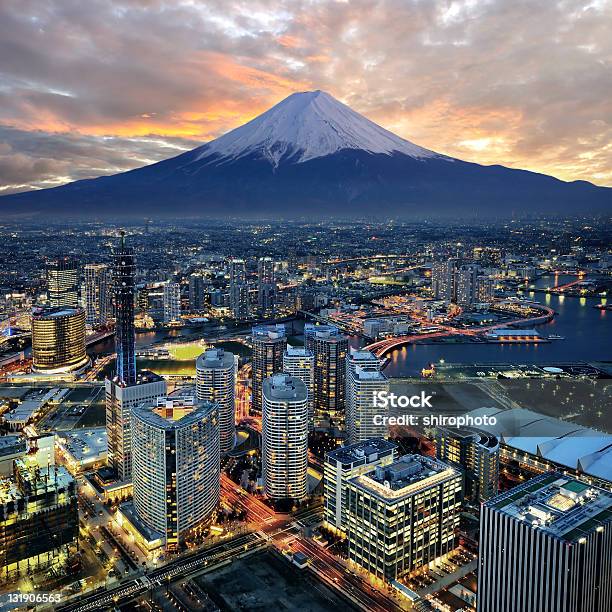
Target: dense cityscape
{"points": [[232, 415]]}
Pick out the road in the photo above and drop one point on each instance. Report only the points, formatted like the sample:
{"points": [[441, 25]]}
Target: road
{"points": [[333, 572], [182, 567], [384, 346]]}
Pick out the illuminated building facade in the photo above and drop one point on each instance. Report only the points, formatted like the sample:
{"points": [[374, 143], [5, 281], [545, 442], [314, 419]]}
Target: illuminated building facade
{"points": [[363, 379], [172, 302], [120, 401], [58, 339], [266, 286], [345, 463], [124, 270], [546, 545], [38, 517], [176, 465], [97, 292], [63, 283], [269, 344], [285, 437], [476, 453], [401, 516], [299, 362], [238, 289], [444, 280], [215, 382], [197, 286], [330, 349]]}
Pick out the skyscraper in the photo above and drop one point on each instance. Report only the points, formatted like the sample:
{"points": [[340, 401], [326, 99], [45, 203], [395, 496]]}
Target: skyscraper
{"points": [[58, 339], [120, 401], [546, 545], [266, 286], [444, 280], [39, 518], [96, 294], [269, 343], [125, 390], [172, 302], [124, 270], [345, 463], [285, 437], [239, 289], [467, 284], [176, 465], [330, 349], [63, 282], [196, 292], [299, 362], [215, 382], [402, 516], [476, 453], [364, 378], [485, 289]]}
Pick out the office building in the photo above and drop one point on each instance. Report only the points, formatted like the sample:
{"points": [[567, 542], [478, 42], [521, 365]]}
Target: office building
{"points": [[124, 270], [299, 362], [238, 289], [58, 340], [476, 453], [96, 295], [284, 447], [467, 284], [444, 280], [364, 379], [402, 516], [120, 401], [63, 283], [216, 382], [172, 302], [176, 466], [38, 518], [343, 464], [330, 349], [11, 447], [197, 292], [546, 545], [485, 289], [266, 286], [269, 344]]}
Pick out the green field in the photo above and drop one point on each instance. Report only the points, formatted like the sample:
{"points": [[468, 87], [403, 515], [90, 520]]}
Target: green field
{"points": [[185, 352]]}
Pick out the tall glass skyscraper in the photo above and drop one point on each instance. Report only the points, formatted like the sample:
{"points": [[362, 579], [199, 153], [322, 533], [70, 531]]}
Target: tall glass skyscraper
{"points": [[63, 282], [124, 270]]}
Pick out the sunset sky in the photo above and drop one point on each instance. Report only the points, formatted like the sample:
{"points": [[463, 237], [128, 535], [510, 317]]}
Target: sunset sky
{"points": [[91, 87]]}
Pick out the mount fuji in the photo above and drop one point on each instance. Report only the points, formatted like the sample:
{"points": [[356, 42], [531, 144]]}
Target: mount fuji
{"points": [[312, 155]]}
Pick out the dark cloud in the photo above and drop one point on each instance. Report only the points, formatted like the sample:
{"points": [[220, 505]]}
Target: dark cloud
{"points": [[525, 83]]}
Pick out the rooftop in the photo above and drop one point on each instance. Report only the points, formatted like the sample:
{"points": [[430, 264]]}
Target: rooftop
{"points": [[173, 413], [215, 358], [297, 351], [558, 505], [405, 477], [284, 387], [368, 450], [84, 445], [54, 312], [562, 442], [273, 332]]}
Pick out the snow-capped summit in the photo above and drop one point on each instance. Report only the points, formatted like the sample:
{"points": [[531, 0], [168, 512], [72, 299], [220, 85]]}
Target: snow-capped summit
{"points": [[305, 126], [312, 155]]}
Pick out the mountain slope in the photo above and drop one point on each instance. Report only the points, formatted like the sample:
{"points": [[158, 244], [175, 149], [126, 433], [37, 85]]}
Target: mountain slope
{"points": [[311, 154]]}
